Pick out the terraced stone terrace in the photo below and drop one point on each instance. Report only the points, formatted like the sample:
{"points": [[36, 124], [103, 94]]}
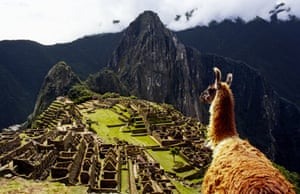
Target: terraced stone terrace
{"points": [[113, 145]]}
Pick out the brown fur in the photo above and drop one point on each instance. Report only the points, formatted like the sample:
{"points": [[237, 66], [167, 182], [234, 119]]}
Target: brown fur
{"points": [[222, 120], [237, 166]]}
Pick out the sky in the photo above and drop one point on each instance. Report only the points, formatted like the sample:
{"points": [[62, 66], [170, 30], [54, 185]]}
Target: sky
{"points": [[58, 21]]}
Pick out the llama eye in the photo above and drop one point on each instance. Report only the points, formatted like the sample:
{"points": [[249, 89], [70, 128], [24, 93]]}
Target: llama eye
{"points": [[211, 90]]}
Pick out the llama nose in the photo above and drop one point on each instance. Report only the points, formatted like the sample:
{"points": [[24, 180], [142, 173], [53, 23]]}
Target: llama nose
{"points": [[203, 96]]}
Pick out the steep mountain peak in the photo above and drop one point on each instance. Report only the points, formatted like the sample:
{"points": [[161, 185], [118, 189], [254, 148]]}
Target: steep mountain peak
{"points": [[152, 63], [144, 34], [57, 82], [145, 22], [59, 68]]}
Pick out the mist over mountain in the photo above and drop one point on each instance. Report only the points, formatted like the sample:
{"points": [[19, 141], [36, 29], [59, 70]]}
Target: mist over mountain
{"points": [[154, 63]]}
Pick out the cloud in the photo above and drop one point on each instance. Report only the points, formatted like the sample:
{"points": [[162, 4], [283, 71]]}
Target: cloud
{"points": [[55, 21]]}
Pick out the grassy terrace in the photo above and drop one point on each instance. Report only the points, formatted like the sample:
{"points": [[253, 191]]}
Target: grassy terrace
{"points": [[104, 117], [124, 181], [183, 189], [166, 161]]}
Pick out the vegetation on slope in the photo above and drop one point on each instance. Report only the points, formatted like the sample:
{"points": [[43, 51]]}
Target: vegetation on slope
{"points": [[58, 82], [106, 81], [293, 177], [20, 185], [80, 93]]}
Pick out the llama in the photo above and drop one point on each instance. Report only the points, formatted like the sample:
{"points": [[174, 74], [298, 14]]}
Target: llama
{"points": [[237, 167]]}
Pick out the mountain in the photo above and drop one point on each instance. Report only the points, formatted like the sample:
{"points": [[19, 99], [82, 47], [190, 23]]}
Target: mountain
{"points": [[24, 64], [155, 65], [270, 47], [57, 82], [21, 64], [152, 63], [106, 81], [12, 104]]}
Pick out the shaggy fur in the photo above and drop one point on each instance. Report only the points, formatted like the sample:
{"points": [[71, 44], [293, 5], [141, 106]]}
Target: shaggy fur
{"points": [[237, 166], [222, 121]]}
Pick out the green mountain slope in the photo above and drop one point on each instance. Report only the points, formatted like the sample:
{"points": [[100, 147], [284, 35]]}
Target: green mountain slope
{"points": [[26, 63], [57, 82]]}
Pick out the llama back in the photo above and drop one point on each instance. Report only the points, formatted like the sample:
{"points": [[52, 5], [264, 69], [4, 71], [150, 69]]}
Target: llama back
{"points": [[238, 168]]}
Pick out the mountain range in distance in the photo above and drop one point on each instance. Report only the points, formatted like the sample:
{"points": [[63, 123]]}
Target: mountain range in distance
{"points": [[149, 61]]}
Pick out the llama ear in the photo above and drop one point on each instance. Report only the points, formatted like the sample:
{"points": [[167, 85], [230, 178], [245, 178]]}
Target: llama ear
{"points": [[229, 79], [218, 77]]}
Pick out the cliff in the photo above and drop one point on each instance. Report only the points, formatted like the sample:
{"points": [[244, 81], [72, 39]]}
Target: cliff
{"points": [[57, 82]]}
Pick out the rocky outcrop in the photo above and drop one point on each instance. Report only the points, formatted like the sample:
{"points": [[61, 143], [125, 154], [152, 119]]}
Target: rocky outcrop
{"points": [[153, 64], [57, 82]]}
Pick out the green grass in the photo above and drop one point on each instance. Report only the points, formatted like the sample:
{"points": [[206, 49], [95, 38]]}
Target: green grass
{"points": [[166, 161], [106, 117], [183, 189], [195, 180], [186, 173], [120, 109], [19, 185], [23, 137], [124, 181]]}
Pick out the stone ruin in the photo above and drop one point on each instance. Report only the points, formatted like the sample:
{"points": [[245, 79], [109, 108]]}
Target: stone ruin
{"points": [[61, 149], [171, 129], [62, 111], [76, 158]]}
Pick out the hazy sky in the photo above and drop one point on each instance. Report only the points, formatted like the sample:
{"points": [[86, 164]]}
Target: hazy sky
{"points": [[57, 21]]}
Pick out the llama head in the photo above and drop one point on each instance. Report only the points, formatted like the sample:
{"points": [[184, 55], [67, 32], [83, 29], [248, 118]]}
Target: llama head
{"points": [[209, 94]]}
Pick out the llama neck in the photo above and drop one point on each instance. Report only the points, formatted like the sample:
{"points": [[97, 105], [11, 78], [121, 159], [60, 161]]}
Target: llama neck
{"points": [[222, 118]]}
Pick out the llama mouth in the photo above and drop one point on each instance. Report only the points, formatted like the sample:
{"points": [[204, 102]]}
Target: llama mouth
{"points": [[204, 98]]}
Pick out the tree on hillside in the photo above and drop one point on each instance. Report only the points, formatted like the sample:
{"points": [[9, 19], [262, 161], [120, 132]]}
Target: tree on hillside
{"points": [[174, 151], [89, 123]]}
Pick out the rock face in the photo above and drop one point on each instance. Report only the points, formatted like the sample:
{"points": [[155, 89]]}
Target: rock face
{"points": [[153, 64], [57, 82]]}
